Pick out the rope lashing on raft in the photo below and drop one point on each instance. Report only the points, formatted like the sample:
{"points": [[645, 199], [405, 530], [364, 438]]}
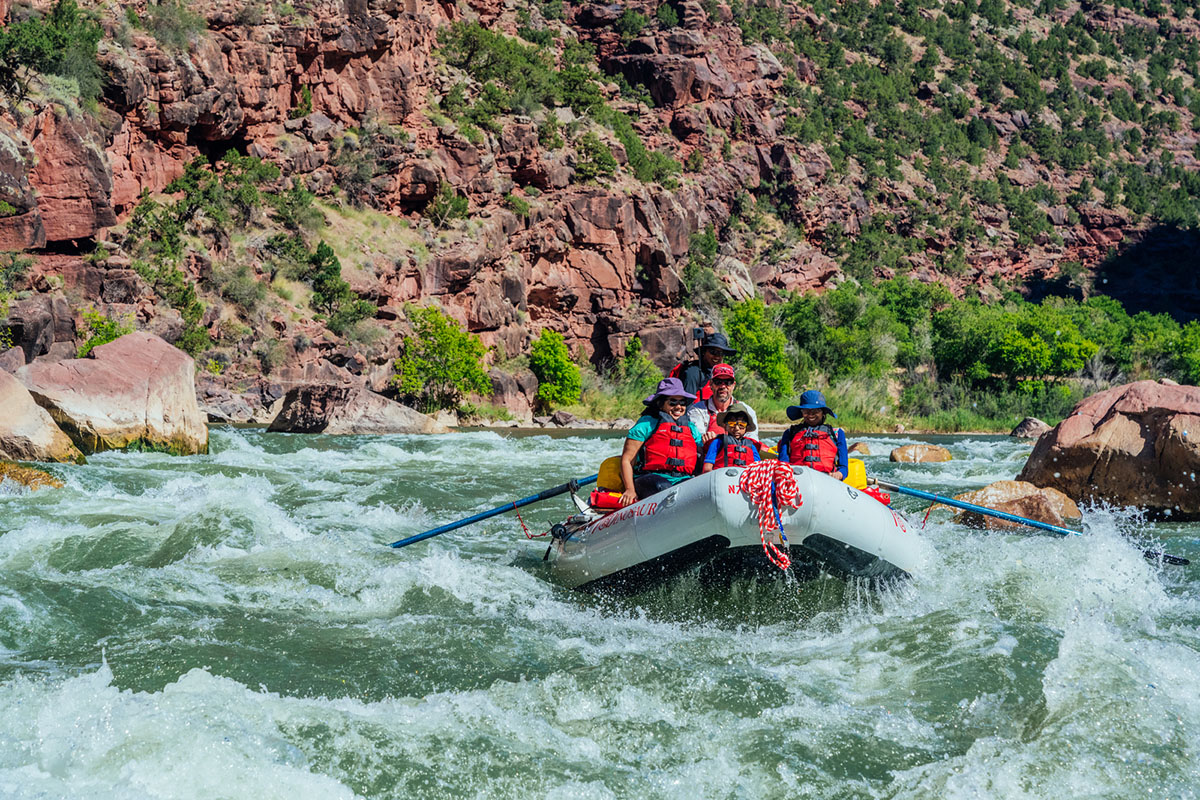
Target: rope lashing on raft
{"points": [[770, 485], [525, 527]]}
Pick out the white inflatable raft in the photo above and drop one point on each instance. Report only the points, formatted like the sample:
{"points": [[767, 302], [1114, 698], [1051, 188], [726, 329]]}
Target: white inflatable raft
{"points": [[708, 521]]}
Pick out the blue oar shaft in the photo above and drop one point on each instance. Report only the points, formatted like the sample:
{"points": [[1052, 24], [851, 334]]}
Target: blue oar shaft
{"points": [[1033, 523], [991, 512], [495, 512]]}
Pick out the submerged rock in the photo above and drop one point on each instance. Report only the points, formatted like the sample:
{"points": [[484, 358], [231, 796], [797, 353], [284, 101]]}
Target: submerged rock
{"points": [[28, 476], [336, 410], [1134, 445], [27, 433], [136, 392], [920, 454], [860, 448]]}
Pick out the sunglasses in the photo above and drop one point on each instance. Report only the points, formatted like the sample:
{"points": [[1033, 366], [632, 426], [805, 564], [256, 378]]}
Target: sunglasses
{"points": [[675, 401], [729, 423], [722, 381]]}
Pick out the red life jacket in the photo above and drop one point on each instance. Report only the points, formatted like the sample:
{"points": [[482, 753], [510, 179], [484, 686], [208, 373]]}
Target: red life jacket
{"points": [[734, 453], [814, 447], [670, 449], [704, 392]]}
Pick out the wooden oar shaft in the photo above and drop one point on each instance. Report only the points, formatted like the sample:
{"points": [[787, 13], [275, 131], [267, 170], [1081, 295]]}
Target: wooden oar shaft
{"points": [[495, 512]]}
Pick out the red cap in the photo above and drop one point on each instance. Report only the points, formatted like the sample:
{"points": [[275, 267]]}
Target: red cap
{"points": [[722, 371]]}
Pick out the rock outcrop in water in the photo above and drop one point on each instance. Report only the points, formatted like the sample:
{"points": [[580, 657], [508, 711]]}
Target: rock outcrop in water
{"points": [[920, 454], [339, 410], [1135, 445], [1019, 498], [135, 392], [1029, 428], [27, 433], [28, 477]]}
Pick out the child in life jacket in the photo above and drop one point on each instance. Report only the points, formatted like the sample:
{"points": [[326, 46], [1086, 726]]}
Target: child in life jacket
{"points": [[733, 448], [813, 443]]}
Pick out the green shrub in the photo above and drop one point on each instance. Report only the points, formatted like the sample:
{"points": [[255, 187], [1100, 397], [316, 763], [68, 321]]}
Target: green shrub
{"points": [[695, 161], [172, 23], [440, 364], [62, 43], [559, 381], [102, 329], [331, 294], [595, 158], [13, 268], [667, 15], [446, 205], [760, 345], [518, 205], [630, 24], [305, 106], [238, 285]]}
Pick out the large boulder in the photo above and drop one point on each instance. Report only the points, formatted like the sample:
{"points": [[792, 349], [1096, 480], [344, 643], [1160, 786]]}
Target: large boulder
{"points": [[1019, 498], [135, 392], [27, 433], [1137, 444], [920, 454], [1029, 428], [329, 409]]}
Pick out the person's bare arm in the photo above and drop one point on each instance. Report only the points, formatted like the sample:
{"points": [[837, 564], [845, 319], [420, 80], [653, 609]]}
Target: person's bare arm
{"points": [[632, 446]]}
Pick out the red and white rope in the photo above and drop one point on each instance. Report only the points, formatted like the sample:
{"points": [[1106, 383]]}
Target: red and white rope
{"points": [[755, 483]]}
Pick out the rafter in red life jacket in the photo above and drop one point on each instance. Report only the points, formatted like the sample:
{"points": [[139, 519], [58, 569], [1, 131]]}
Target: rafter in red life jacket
{"points": [[734, 452], [670, 450], [814, 446]]}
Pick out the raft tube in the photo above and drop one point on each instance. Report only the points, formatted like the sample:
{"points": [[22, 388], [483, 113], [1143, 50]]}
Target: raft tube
{"points": [[707, 520]]}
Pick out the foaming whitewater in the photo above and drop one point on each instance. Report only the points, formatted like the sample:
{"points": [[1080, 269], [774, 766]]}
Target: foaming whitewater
{"points": [[234, 625]]}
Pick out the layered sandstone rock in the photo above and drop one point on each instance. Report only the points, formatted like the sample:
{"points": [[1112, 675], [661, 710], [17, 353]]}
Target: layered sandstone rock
{"points": [[1020, 498], [920, 453], [1137, 444], [27, 433], [135, 392], [340, 410]]}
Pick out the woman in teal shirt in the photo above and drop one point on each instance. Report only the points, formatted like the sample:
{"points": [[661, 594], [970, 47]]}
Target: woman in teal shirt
{"points": [[662, 448]]}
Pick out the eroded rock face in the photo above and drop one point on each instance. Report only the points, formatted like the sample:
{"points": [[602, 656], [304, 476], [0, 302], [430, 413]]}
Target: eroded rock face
{"points": [[340, 410], [920, 454], [27, 433], [1137, 444], [1020, 498], [136, 392]]}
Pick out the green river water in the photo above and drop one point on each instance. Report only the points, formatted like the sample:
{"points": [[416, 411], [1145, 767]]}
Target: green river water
{"points": [[234, 626]]}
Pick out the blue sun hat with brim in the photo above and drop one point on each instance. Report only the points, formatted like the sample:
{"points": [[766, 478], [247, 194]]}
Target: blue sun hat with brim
{"points": [[669, 387], [810, 399]]}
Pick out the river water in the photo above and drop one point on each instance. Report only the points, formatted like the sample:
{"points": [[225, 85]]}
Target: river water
{"points": [[233, 626]]}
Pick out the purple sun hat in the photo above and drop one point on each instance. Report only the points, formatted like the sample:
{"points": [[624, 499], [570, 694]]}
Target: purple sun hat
{"points": [[669, 387]]}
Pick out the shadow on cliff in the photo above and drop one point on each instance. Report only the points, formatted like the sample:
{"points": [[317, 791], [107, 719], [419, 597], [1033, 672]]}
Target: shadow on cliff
{"points": [[1160, 273]]}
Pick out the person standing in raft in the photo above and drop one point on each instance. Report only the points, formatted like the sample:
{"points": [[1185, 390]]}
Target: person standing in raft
{"points": [[662, 448], [812, 443], [703, 415], [714, 349], [734, 447]]}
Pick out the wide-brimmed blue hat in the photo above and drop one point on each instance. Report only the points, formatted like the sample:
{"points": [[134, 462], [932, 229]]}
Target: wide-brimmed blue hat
{"points": [[669, 387], [810, 399]]}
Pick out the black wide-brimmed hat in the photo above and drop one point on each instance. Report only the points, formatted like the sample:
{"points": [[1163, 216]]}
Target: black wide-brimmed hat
{"points": [[717, 341]]}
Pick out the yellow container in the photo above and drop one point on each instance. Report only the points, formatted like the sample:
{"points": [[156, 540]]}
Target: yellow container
{"points": [[610, 475], [858, 474]]}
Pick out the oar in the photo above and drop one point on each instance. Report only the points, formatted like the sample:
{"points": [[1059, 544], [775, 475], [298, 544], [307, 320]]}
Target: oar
{"points": [[545, 494], [991, 512]]}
